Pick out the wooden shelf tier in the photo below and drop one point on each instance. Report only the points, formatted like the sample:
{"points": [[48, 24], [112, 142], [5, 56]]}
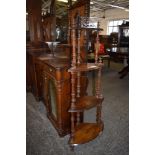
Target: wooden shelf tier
{"points": [[86, 102], [85, 132], [85, 67]]}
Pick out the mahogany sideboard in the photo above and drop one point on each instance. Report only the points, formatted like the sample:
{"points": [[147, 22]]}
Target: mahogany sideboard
{"points": [[49, 80], [32, 52]]}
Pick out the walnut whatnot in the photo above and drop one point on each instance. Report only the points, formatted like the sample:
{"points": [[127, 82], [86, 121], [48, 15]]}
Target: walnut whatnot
{"points": [[84, 132]]}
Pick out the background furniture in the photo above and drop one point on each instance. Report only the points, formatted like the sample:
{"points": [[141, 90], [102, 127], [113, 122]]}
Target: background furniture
{"points": [[123, 42], [103, 55]]}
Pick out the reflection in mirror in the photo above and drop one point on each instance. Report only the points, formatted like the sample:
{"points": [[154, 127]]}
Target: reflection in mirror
{"points": [[55, 19], [62, 19]]}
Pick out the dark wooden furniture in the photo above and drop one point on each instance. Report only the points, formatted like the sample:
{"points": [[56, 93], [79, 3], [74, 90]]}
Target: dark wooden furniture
{"points": [[47, 76], [33, 68], [35, 56], [123, 35], [124, 72], [49, 80], [123, 43], [57, 93], [63, 51], [82, 132]]}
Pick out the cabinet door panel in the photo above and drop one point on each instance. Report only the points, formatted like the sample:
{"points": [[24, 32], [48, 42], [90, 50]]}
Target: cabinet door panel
{"points": [[52, 97]]}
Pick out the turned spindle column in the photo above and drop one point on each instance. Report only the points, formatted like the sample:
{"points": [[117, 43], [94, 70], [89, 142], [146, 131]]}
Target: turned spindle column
{"points": [[78, 45], [78, 95], [74, 45], [99, 95], [97, 44], [73, 100]]}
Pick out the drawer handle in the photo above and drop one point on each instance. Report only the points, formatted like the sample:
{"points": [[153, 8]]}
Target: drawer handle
{"points": [[50, 70]]}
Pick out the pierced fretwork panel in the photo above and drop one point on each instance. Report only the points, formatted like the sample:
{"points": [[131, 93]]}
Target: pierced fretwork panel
{"points": [[88, 22]]}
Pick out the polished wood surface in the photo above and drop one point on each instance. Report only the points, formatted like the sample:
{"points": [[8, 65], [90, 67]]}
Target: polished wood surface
{"points": [[85, 67], [60, 79], [86, 102], [85, 132], [58, 71], [44, 69], [34, 67]]}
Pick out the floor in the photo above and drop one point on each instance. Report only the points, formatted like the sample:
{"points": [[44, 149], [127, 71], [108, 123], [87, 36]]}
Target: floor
{"points": [[42, 138]]}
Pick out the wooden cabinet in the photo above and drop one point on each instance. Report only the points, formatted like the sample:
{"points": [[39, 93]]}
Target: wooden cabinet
{"points": [[39, 80], [49, 80], [34, 69], [57, 90], [56, 98]]}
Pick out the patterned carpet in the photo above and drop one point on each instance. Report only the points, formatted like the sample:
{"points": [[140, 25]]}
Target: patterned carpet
{"points": [[42, 138]]}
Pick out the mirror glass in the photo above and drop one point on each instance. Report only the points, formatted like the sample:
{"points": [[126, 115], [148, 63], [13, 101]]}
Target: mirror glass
{"points": [[55, 20]]}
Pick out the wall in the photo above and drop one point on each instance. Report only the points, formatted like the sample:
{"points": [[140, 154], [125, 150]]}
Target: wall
{"points": [[109, 15]]}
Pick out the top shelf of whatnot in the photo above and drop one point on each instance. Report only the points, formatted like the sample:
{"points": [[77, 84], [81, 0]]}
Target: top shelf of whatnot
{"points": [[87, 23], [86, 67]]}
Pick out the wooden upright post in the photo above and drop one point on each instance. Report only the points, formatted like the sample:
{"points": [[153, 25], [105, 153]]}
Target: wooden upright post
{"points": [[74, 45], [97, 44]]}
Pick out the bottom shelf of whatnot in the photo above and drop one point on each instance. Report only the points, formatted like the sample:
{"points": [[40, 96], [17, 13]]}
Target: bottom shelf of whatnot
{"points": [[85, 132]]}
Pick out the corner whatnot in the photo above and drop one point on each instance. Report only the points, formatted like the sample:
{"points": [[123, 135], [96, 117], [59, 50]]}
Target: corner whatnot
{"points": [[82, 132]]}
